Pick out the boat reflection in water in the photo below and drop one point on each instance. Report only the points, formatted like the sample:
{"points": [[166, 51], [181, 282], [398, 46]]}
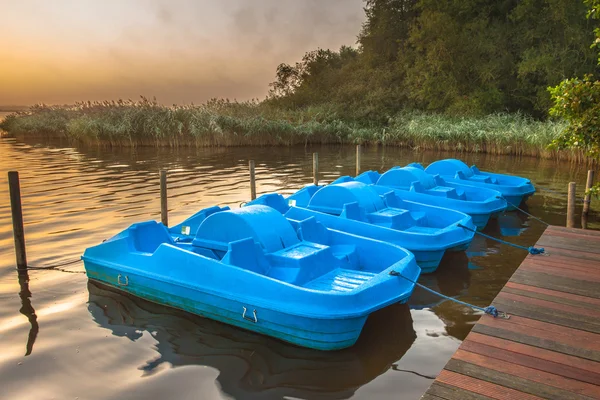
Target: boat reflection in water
{"points": [[253, 365], [513, 223], [452, 279]]}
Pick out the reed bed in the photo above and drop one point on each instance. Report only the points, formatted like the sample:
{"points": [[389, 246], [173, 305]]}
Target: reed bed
{"points": [[225, 123]]}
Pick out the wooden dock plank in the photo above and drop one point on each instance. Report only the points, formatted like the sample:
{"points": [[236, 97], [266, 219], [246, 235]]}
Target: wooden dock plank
{"points": [[544, 330], [534, 340], [561, 284], [568, 308], [581, 274], [544, 354], [525, 360], [527, 376], [551, 295], [578, 255], [550, 346], [568, 244], [443, 391], [482, 387], [580, 266], [551, 315]]}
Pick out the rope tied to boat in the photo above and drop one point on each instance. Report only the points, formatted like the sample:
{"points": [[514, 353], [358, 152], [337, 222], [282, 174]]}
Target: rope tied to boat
{"points": [[523, 211], [531, 250], [490, 310], [56, 267]]}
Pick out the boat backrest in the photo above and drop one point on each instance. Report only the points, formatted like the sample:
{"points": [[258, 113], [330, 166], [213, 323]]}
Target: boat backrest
{"points": [[192, 223], [416, 165], [332, 198], [273, 200], [406, 177], [449, 167], [313, 231], [147, 236], [368, 177], [247, 254], [267, 226], [302, 197]]}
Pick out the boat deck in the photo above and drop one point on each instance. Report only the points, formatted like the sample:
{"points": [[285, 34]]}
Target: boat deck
{"points": [[550, 346]]}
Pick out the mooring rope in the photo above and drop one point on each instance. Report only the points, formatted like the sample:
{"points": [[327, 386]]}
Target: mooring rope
{"points": [[532, 250], [524, 212], [490, 310], [56, 267]]}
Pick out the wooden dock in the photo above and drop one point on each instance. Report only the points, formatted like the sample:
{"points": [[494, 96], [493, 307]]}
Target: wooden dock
{"points": [[550, 346]]}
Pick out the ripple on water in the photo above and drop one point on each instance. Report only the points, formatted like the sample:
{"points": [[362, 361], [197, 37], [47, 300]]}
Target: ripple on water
{"points": [[88, 341]]}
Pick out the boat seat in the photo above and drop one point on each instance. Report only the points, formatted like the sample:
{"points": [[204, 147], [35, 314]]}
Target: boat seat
{"points": [[346, 253], [407, 178], [332, 198], [147, 236], [273, 200], [483, 178], [419, 216], [302, 262], [190, 225], [264, 224], [393, 218], [312, 230], [340, 280], [442, 191], [422, 229], [246, 254]]}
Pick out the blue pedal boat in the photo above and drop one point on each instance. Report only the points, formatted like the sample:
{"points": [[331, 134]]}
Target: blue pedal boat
{"points": [[514, 189], [371, 211], [410, 183], [252, 268]]}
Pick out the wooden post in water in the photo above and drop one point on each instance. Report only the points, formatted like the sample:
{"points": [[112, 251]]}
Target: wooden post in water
{"points": [[587, 199], [571, 206], [252, 180], [316, 168], [164, 212], [358, 154], [17, 219]]}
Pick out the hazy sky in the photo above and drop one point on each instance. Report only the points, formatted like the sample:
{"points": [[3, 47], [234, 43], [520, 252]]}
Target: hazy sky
{"points": [[59, 51]]}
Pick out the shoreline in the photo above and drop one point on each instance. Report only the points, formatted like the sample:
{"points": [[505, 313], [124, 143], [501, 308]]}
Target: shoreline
{"points": [[556, 155], [227, 124]]}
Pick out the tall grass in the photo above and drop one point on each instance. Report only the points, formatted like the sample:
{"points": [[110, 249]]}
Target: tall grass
{"points": [[225, 123]]}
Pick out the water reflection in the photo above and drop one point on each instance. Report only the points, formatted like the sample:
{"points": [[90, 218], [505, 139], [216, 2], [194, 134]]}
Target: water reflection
{"points": [[512, 223], [452, 278], [27, 310], [252, 365], [76, 197]]}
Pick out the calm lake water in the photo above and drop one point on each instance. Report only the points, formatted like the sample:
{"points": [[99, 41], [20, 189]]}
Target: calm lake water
{"points": [[65, 338]]}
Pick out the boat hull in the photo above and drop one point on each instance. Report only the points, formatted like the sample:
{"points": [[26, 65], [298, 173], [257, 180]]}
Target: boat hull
{"points": [[429, 260], [514, 189], [312, 332], [514, 201]]}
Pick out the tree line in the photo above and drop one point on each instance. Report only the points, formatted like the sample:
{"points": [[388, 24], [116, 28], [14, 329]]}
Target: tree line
{"points": [[458, 57]]}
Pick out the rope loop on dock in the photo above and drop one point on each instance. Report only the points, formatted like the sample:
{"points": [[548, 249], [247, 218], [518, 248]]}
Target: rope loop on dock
{"points": [[523, 211], [490, 310], [531, 250]]}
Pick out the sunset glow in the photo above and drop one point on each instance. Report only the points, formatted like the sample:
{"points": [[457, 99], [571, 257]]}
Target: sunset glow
{"points": [[182, 51]]}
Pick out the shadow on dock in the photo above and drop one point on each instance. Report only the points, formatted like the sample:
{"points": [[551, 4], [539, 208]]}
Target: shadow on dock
{"points": [[253, 365]]}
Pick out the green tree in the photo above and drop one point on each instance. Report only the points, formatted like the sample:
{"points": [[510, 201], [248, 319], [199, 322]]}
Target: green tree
{"points": [[456, 57], [578, 101], [552, 38]]}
